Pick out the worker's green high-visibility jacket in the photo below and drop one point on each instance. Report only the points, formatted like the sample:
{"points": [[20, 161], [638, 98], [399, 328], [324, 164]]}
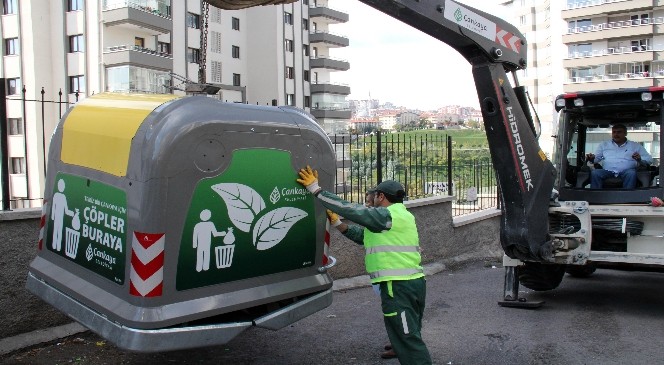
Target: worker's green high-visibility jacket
{"points": [[389, 236]]}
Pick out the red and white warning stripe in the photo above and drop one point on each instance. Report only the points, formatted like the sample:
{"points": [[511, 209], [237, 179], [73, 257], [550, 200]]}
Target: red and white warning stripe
{"points": [[146, 278], [326, 247], [507, 39], [42, 223]]}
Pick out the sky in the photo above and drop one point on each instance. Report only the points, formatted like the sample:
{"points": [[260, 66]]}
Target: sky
{"points": [[393, 62]]}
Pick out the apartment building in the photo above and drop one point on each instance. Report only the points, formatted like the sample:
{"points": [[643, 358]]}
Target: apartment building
{"points": [[63, 51], [612, 44]]}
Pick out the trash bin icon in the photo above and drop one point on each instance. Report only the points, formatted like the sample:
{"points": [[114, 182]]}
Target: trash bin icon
{"points": [[71, 246], [224, 255]]}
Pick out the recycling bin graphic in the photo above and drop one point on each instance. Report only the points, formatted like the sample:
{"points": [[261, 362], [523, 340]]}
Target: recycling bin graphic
{"points": [[185, 213], [224, 256], [72, 237]]}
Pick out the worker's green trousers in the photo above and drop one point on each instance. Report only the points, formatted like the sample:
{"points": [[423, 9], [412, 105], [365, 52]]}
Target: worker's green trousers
{"points": [[403, 308]]}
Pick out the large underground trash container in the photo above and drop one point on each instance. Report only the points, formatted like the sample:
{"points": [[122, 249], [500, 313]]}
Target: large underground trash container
{"points": [[174, 223]]}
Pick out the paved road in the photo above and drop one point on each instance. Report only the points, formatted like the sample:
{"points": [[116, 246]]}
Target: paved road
{"points": [[610, 318]]}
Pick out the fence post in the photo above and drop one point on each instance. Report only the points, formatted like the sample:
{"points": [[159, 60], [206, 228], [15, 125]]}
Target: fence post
{"points": [[379, 162], [449, 165], [43, 129], [60, 104], [4, 146], [25, 150]]}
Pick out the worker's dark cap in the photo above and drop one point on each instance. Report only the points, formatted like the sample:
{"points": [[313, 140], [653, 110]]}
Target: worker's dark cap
{"points": [[391, 187]]}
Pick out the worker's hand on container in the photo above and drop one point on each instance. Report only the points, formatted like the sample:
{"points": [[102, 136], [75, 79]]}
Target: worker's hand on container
{"points": [[309, 178], [334, 218]]}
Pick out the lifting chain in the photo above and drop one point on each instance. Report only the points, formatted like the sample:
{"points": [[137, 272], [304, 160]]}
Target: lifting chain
{"points": [[204, 33]]}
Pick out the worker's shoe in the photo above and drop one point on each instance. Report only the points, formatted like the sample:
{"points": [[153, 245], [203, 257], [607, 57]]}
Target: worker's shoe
{"points": [[388, 346], [389, 354]]}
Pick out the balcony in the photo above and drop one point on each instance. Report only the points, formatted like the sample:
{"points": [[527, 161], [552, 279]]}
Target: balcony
{"points": [[329, 39], [610, 55], [331, 110], [613, 81], [330, 88], [588, 8], [329, 63], [137, 56], [136, 13], [328, 15], [620, 29]]}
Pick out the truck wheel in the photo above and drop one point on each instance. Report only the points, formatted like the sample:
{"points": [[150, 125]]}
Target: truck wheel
{"points": [[540, 277], [581, 271]]}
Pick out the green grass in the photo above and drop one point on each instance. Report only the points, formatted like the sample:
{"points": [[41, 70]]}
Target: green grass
{"points": [[460, 137]]}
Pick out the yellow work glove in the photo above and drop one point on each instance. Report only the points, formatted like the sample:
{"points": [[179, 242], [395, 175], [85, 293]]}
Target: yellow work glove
{"points": [[309, 178], [334, 218]]}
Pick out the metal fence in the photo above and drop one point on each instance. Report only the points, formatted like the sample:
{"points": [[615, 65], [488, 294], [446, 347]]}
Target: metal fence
{"points": [[424, 164], [20, 101]]}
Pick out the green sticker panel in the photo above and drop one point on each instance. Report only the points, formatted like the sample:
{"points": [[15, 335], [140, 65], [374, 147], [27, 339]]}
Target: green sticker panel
{"points": [[252, 220], [87, 223]]}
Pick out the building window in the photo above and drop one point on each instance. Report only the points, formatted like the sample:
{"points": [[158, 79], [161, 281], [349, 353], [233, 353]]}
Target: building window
{"points": [[77, 84], [193, 55], [15, 126], [305, 24], [235, 23], [290, 72], [636, 21], [74, 5], [11, 46], [288, 18], [139, 42], [236, 79], [579, 25], [523, 20], [13, 86], [580, 50], [305, 2], [290, 99], [10, 7], [76, 43], [193, 21], [163, 47], [215, 15], [315, 79], [18, 165], [289, 45], [215, 71], [235, 51], [215, 42], [307, 101], [305, 75], [305, 49]]}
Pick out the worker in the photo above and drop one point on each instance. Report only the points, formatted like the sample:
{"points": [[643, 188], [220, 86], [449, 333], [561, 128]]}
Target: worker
{"points": [[334, 219], [392, 259], [621, 158]]}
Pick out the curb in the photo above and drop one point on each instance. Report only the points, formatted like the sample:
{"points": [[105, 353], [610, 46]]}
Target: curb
{"points": [[364, 281], [11, 344], [14, 343]]}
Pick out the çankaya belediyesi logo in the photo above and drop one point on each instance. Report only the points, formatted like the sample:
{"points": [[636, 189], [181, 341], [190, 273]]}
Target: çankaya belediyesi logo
{"points": [[458, 15]]}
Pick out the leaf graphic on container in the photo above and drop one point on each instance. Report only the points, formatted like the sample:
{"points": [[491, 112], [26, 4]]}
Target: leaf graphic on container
{"points": [[271, 228], [243, 203]]}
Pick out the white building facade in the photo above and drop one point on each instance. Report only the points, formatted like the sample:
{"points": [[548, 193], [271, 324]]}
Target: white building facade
{"points": [[63, 51]]}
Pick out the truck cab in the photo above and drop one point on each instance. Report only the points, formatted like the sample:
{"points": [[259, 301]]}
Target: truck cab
{"points": [[585, 121]]}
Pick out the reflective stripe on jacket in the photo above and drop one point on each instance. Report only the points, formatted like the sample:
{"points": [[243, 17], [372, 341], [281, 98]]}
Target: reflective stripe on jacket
{"points": [[394, 254]]}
